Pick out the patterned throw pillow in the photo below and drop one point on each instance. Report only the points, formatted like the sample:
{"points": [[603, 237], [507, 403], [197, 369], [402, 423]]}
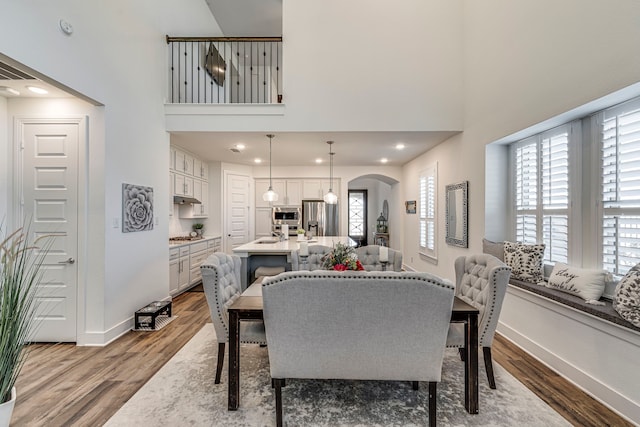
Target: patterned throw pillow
{"points": [[587, 284], [525, 261], [626, 300]]}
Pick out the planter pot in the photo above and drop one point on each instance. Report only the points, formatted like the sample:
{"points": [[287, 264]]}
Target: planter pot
{"points": [[301, 237], [6, 409]]}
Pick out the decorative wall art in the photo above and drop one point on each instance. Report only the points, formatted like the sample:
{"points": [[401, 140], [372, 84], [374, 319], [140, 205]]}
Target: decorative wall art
{"points": [[137, 208], [410, 206]]}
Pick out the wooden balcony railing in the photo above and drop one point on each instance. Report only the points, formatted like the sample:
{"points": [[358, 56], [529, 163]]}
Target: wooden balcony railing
{"points": [[225, 70]]}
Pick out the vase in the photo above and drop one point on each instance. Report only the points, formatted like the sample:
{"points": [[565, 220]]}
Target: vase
{"points": [[6, 409], [301, 237]]}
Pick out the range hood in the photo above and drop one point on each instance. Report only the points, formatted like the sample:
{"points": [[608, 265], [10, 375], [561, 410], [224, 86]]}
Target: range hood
{"points": [[181, 200]]}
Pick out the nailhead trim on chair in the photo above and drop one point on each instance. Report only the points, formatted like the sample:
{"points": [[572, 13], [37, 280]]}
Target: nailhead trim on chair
{"points": [[354, 275]]}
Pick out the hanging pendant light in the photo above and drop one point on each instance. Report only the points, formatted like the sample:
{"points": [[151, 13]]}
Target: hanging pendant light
{"points": [[330, 198], [270, 195]]}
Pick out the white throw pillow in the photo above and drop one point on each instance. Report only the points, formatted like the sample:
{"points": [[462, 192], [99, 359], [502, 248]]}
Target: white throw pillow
{"points": [[525, 261], [587, 284], [626, 300]]}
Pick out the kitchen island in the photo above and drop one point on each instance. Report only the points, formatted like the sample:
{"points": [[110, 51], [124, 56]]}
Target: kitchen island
{"points": [[271, 252]]}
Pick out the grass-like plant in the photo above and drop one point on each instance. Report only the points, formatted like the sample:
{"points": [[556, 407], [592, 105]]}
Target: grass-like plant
{"points": [[19, 276]]}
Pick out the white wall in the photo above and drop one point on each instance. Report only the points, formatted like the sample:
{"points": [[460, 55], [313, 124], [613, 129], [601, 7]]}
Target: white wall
{"points": [[377, 193], [526, 62], [117, 56]]}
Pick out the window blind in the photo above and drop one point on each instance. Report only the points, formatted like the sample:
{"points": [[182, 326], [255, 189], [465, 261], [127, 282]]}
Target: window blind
{"points": [[427, 211], [620, 168]]}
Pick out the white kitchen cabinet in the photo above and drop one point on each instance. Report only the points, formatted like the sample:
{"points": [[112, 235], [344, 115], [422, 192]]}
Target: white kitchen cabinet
{"points": [[289, 192], [214, 245], [263, 222], [198, 254], [317, 188], [172, 158], [198, 210], [178, 269], [174, 271], [200, 169], [183, 162], [183, 185], [172, 191]]}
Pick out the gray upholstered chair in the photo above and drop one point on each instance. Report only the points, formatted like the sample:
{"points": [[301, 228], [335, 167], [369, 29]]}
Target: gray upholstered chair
{"points": [[369, 257], [481, 280], [221, 283], [311, 262], [365, 326]]}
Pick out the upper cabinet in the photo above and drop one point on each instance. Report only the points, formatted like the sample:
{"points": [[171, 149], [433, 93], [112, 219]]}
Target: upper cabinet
{"points": [[190, 177], [317, 188], [289, 192], [183, 162]]}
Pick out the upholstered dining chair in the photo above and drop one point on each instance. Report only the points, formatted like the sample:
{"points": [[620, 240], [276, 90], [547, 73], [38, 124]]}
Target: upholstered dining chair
{"points": [[221, 283], [311, 262], [481, 280], [369, 257]]}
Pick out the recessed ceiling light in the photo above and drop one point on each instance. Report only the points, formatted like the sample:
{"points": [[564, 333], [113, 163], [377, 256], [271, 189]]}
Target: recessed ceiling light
{"points": [[38, 90], [384, 160], [258, 160], [240, 146], [318, 160], [8, 91], [400, 146]]}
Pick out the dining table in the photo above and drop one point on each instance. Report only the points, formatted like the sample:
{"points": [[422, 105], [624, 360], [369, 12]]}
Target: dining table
{"points": [[248, 307]]}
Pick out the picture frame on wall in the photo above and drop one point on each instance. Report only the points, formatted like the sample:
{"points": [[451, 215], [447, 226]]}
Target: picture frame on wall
{"points": [[410, 206], [137, 208]]}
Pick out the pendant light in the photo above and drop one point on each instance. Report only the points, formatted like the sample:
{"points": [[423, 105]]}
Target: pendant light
{"points": [[330, 198], [270, 195]]}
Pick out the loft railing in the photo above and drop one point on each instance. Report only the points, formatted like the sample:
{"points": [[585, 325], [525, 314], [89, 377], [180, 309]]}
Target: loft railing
{"points": [[225, 70]]}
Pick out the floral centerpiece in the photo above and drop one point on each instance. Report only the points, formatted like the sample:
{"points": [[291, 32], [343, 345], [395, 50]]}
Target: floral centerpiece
{"points": [[342, 257]]}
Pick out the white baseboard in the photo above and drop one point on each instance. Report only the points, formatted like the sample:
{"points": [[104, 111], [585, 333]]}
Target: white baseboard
{"points": [[609, 397], [101, 339]]}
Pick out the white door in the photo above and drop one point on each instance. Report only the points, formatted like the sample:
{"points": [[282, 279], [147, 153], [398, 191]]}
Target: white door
{"points": [[50, 201], [237, 211]]}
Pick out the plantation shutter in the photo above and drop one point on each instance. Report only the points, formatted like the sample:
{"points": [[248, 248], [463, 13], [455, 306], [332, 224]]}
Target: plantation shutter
{"points": [[620, 133], [427, 212]]}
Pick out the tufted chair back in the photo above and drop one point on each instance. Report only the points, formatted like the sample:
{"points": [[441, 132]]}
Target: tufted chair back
{"points": [[313, 261], [369, 257], [221, 283], [481, 280]]}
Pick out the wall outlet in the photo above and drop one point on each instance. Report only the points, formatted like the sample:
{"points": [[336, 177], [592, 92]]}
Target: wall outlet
{"points": [[115, 223]]}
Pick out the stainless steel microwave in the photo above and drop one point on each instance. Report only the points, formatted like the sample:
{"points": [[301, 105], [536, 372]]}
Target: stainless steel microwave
{"points": [[286, 215]]}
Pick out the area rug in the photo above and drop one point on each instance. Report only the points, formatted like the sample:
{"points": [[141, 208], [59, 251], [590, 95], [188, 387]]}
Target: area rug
{"points": [[183, 393]]}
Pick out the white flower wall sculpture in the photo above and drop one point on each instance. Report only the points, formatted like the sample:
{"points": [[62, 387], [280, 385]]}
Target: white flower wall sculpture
{"points": [[137, 208]]}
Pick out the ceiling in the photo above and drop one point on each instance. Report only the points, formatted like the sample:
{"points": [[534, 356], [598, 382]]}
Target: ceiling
{"points": [[303, 148], [18, 79]]}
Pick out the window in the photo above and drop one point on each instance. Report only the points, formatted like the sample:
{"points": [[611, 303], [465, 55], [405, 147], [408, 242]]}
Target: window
{"points": [[427, 211], [541, 167], [619, 132]]}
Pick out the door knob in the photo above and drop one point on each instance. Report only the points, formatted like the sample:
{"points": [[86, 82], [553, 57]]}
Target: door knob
{"points": [[68, 261]]}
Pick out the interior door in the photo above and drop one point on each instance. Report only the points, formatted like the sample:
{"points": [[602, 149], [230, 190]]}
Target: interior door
{"points": [[358, 216], [50, 201], [237, 211]]}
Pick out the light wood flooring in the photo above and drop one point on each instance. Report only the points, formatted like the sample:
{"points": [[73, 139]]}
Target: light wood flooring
{"points": [[64, 385]]}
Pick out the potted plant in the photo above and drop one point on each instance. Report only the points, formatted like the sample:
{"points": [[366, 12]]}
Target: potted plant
{"points": [[198, 228], [19, 275], [300, 232]]}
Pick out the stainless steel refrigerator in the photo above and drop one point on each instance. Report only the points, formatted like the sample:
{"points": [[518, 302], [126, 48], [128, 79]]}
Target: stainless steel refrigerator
{"points": [[320, 218]]}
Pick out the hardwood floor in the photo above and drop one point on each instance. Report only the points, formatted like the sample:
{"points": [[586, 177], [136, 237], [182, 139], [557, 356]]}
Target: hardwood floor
{"points": [[63, 385]]}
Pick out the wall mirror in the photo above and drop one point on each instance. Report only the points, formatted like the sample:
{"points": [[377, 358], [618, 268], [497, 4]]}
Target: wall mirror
{"points": [[456, 212]]}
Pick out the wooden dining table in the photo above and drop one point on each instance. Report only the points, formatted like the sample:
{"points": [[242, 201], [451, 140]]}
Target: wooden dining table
{"points": [[248, 307]]}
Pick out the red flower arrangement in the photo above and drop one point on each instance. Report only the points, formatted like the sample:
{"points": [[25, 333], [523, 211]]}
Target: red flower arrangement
{"points": [[342, 258]]}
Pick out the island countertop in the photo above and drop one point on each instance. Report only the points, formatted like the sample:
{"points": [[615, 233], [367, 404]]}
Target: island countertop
{"points": [[270, 245]]}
